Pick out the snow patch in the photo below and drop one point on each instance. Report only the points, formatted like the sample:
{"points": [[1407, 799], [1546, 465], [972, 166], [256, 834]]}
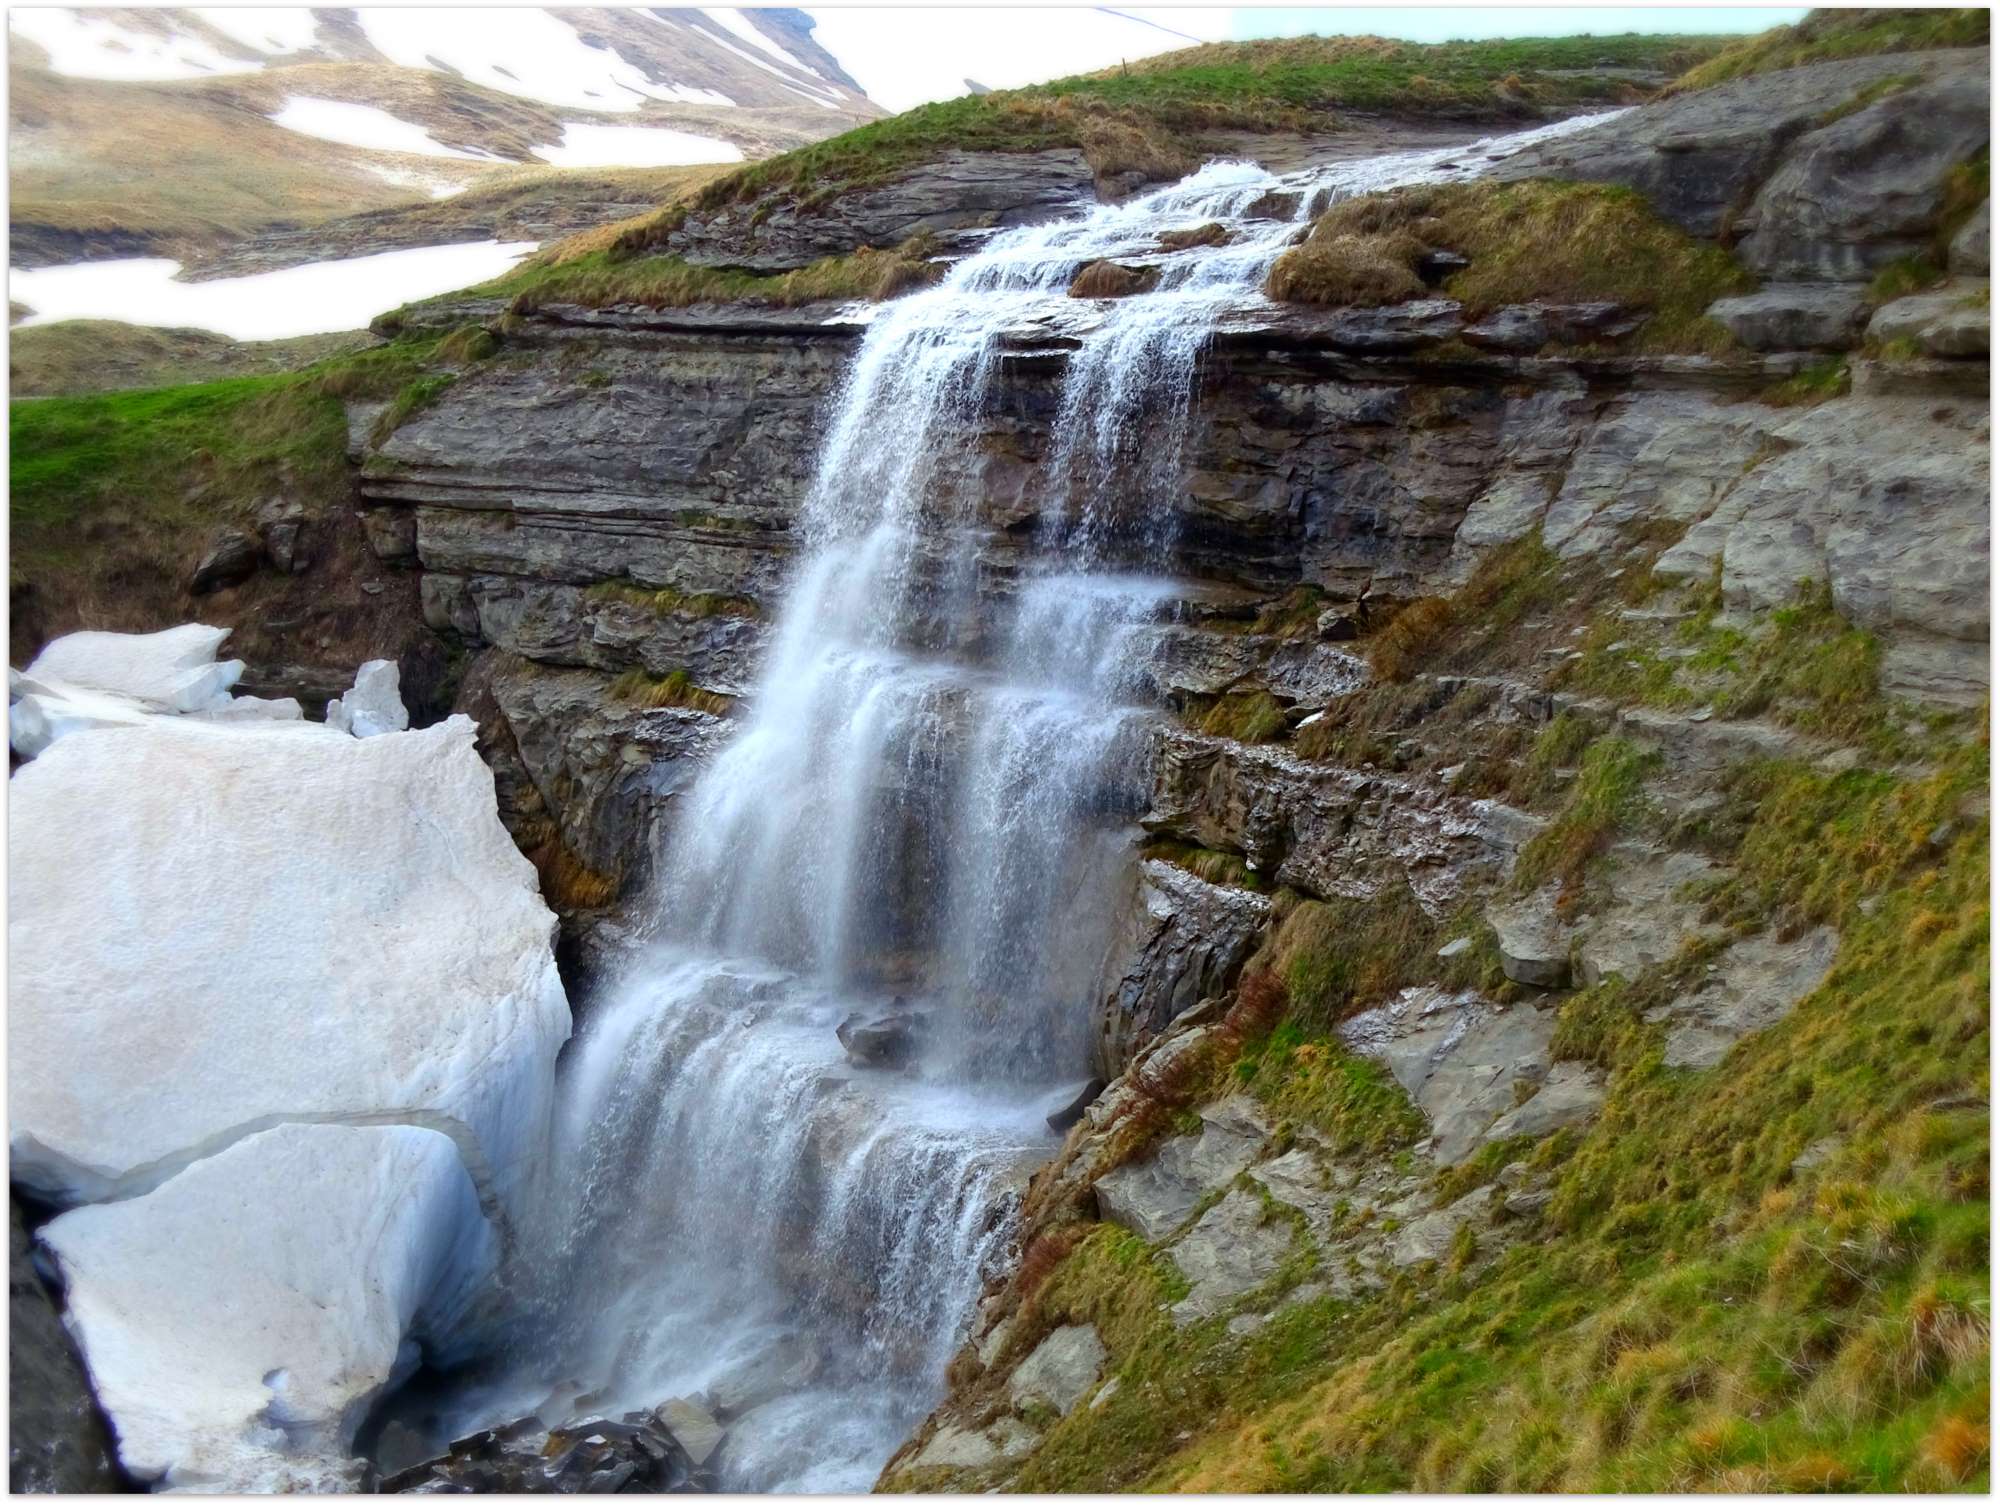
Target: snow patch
{"points": [[90, 44], [321, 297], [238, 1321], [271, 29], [634, 146], [175, 670], [530, 53], [366, 126]]}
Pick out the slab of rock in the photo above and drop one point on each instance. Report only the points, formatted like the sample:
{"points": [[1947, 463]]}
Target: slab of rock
{"points": [[1796, 316], [374, 705], [1430, 1236], [955, 191], [1234, 1248], [632, 1454], [231, 559], [1570, 1094], [954, 1446], [1395, 330], [1461, 1059], [1180, 940], [1650, 916], [175, 670], [286, 922], [1534, 942], [237, 1330], [1952, 321], [698, 1432], [1754, 985], [1153, 1195], [1061, 1371], [1884, 498], [886, 1039]]}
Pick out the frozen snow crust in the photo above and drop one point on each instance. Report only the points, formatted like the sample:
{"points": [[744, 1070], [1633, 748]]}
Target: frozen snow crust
{"points": [[284, 1006]]}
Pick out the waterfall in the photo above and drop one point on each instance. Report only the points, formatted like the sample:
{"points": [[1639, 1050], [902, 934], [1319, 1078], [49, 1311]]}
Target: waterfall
{"points": [[929, 814]]}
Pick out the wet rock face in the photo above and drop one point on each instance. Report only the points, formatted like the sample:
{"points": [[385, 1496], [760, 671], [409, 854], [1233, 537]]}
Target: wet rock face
{"points": [[957, 191], [642, 1452], [57, 1437]]}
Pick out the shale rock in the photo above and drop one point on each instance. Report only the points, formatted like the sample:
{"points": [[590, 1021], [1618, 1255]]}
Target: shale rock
{"points": [[1235, 1248], [1952, 322], [231, 559], [1754, 985], [1795, 316], [956, 191], [1430, 1237], [1061, 1371], [1534, 943], [1571, 1094]]}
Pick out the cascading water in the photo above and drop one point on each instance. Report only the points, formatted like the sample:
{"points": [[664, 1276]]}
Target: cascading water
{"points": [[930, 808]]}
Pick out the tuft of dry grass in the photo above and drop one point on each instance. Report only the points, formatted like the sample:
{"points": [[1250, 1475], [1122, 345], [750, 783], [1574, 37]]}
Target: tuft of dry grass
{"points": [[1526, 242], [1414, 636], [1210, 234], [1108, 279], [568, 882], [658, 692]]}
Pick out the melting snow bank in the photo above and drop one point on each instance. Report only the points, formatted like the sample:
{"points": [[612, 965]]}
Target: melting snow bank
{"points": [[322, 297], [284, 999]]}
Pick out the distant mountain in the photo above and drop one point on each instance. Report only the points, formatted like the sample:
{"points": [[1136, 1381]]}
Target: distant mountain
{"points": [[181, 131]]}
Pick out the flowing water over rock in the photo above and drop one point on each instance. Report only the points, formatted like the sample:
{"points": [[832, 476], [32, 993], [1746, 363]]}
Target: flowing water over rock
{"points": [[921, 833]]}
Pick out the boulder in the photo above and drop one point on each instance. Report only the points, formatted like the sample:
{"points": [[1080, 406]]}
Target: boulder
{"points": [[1233, 1249], [1061, 1371], [885, 1040], [1430, 1236], [1699, 156], [632, 1454], [231, 559], [175, 670], [693, 1427], [1952, 322], [1109, 279], [237, 1331], [1854, 195], [1534, 942], [374, 705], [288, 923], [1795, 316], [1461, 1059]]}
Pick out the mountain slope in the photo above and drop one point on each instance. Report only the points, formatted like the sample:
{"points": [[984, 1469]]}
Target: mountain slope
{"points": [[180, 131]]}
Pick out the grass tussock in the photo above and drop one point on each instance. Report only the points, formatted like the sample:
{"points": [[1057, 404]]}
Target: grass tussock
{"points": [[1107, 279], [1827, 35], [1527, 242], [1207, 864], [678, 689], [1248, 716], [607, 278], [667, 601], [1210, 234], [1602, 801]]}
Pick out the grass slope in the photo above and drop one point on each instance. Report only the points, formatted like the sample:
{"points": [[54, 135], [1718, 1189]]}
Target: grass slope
{"points": [[1139, 116], [1701, 1307], [1827, 35], [80, 356]]}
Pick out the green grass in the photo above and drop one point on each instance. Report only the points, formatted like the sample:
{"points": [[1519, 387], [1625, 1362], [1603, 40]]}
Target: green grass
{"points": [[678, 688], [1527, 242], [1827, 35], [113, 495], [1139, 117], [77, 357], [1210, 866], [1696, 1316], [668, 601]]}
